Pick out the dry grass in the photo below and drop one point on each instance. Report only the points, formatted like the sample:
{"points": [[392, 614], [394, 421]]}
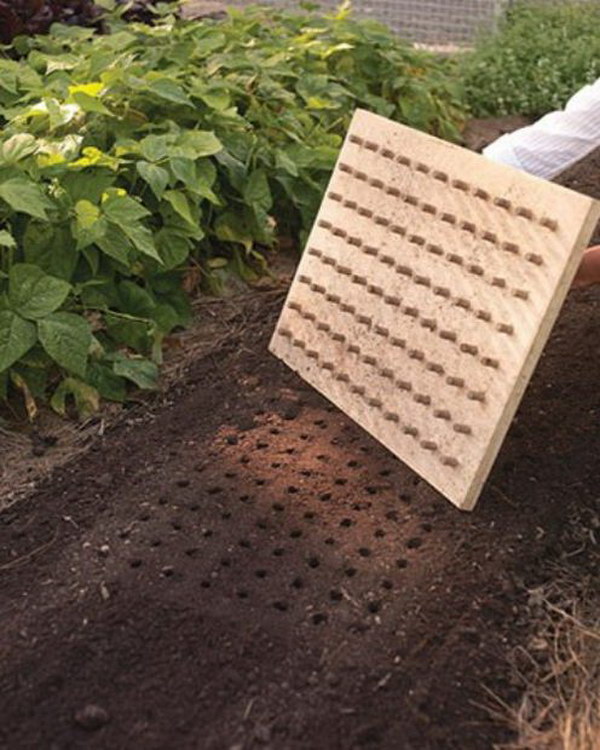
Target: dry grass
{"points": [[560, 671]]}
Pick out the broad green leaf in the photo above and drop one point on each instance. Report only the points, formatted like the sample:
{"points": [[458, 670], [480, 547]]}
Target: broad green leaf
{"points": [[51, 248], [104, 380], [180, 204], [17, 336], [197, 143], [33, 293], [89, 103], [155, 176], [169, 90], [115, 244], [142, 372], [142, 239], [173, 248], [87, 214], [123, 210], [154, 147], [6, 239], [87, 185], [257, 190], [66, 338], [25, 196], [86, 397], [135, 300], [232, 227]]}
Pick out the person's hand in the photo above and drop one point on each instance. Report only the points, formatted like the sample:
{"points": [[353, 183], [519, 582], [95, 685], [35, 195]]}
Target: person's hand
{"points": [[588, 272]]}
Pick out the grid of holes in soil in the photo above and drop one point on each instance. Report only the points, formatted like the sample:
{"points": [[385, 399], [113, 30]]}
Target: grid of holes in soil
{"points": [[303, 514]]}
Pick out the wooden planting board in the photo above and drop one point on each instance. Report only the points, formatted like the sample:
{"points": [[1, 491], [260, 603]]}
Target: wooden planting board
{"points": [[427, 290]]}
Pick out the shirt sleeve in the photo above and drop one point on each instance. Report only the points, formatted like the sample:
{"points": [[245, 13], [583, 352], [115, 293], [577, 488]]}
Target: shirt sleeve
{"points": [[556, 141]]}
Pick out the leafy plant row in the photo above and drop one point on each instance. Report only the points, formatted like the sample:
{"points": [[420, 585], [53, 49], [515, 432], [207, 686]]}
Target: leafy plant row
{"points": [[150, 159], [541, 55]]}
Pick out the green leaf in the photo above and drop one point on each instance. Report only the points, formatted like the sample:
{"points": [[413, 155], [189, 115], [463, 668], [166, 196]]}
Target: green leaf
{"points": [[173, 248], [34, 294], [169, 90], [257, 190], [180, 205], [156, 177], [25, 196], [142, 372], [115, 244], [90, 225], [154, 147], [51, 248], [66, 337], [17, 336], [232, 227], [123, 210], [104, 380], [6, 239], [87, 398], [197, 143]]}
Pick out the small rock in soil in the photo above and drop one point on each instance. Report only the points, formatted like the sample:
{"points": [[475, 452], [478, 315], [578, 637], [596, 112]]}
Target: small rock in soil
{"points": [[92, 717]]}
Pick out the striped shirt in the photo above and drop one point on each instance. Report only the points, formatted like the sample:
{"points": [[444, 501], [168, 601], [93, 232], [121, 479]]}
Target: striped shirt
{"points": [[556, 141]]}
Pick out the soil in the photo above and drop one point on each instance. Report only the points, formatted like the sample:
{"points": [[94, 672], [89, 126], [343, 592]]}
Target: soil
{"points": [[242, 567]]}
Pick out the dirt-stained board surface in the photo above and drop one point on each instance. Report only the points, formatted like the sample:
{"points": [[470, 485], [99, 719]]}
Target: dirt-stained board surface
{"points": [[246, 568]]}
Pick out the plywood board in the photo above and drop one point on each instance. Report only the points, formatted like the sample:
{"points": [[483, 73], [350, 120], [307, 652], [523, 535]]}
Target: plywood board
{"points": [[426, 292]]}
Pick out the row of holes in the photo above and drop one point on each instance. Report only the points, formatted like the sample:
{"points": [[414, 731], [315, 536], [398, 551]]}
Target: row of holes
{"points": [[428, 208], [385, 372], [464, 187], [374, 402], [419, 280], [414, 239], [429, 324]]}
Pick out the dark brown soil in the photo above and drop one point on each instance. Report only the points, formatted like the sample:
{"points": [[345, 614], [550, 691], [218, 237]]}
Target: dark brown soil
{"points": [[245, 568]]}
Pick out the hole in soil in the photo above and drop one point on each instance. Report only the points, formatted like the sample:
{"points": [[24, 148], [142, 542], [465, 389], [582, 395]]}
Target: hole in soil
{"points": [[275, 465], [350, 572], [261, 445], [136, 563], [392, 515], [193, 552], [414, 543], [401, 563], [313, 561], [245, 544], [387, 584], [226, 562], [183, 482], [274, 430], [295, 534], [289, 451], [304, 436], [385, 472], [323, 457], [309, 515], [278, 507], [325, 497], [330, 540], [353, 464], [194, 507], [260, 482], [214, 490], [226, 515], [260, 573], [230, 475], [371, 490], [374, 607], [168, 572], [242, 594], [205, 584], [297, 583], [155, 542], [244, 498], [244, 460], [162, 501], [176, 525], [278, 551], [319, 618], [280, 606], [346, 523], [335, 595], [340, 481], [379, 533], [144, 517], [427, 527], [306, 472], [261, 524], [292, 490], [364, 551], [405, 497]]}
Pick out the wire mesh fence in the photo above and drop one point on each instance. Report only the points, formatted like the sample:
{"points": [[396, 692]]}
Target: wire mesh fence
{"points": [[437, 22]]}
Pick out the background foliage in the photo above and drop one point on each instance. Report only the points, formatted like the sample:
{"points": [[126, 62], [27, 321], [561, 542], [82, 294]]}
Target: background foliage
{"points": [[540, 56], [151, 156]]}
